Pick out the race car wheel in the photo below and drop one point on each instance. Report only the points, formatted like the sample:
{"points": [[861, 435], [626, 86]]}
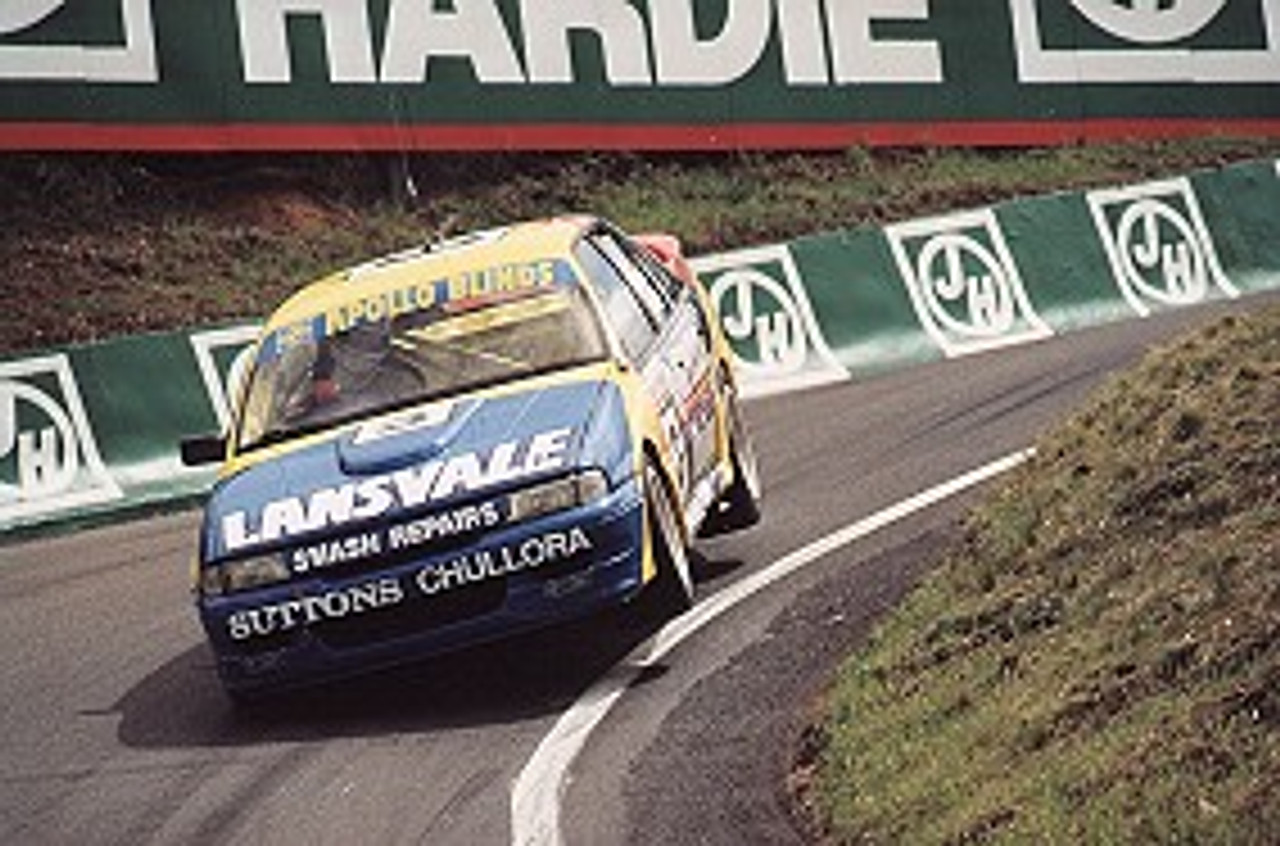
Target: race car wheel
{"points": [[672, 591], [739, 507]]}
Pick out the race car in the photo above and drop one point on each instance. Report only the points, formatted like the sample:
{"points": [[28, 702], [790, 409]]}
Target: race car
{"points": [[463, 441]]}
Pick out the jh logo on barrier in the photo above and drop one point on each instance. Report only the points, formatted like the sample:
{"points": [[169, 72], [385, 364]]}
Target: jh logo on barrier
{"points": [[963, 282], [63, 40], [49, 460], [1107, 41], [767, 317], [1160, 249], [223, 358]]}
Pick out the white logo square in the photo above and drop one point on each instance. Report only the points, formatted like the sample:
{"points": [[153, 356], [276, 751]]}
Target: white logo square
{"points": [[766, 315], [49, 459], [1146, 41], [1160, 249], [963, 282], [132, 61]]}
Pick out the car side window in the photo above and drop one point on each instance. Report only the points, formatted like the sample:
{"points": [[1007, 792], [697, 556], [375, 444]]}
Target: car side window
{"points": [[655, 297], [636, 326]]}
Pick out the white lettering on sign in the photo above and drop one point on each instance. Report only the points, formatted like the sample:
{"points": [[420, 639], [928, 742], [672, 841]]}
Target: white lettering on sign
{"points": [[530, 554], [820, 43], [618, 25], [812, 35], [963, 282], [265, 41], [418, 31], [1158, 244], [1153, 42], [859, 57], [49, 457], [408, 488], [683, 59]]}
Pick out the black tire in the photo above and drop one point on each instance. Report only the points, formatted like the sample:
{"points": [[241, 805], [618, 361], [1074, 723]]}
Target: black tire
{"points": [[739, 506], [672, 591], [246, 703]]}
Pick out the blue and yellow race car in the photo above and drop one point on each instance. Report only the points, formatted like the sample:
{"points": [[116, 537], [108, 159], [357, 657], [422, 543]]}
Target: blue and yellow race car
{"points": [[460, 442]]}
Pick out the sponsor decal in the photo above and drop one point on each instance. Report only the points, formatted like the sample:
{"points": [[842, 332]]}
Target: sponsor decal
{"points": [[1158, 244], [767, 317], [408, 489], [462, 291], [484, 565], [1147, 41], [415, 533], [310, 610], [223, 357], [481, 566], [309, 559], [49, 460], [470, 518], [963, 282]]}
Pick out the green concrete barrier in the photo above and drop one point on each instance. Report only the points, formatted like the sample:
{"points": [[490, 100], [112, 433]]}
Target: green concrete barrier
{"points": [[843, 304], [91, 431]]}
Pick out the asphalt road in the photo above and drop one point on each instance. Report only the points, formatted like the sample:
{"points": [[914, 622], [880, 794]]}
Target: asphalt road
{"points": [[114, 729]]}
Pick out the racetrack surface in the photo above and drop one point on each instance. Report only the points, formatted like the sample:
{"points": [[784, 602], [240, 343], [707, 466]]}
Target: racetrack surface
{"points": [[114, 730]]}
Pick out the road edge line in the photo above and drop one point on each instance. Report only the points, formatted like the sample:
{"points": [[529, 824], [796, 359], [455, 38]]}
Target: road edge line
{"points": [[538, 789]]}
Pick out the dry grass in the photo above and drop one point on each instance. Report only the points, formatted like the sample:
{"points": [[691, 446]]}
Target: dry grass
{"points": [[1100, 661]]}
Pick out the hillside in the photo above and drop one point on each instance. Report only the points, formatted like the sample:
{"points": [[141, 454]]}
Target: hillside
{"points": [[1099, 661], [97, 246]]}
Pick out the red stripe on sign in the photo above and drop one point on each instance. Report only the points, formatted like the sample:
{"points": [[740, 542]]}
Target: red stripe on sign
{"points": [[565, 137]]}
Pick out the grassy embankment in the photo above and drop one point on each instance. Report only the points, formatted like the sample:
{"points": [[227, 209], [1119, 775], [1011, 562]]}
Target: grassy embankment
{"points": [[1099, 661], [100, 245]]}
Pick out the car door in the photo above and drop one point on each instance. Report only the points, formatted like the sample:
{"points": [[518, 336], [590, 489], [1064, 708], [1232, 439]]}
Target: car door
{"points": [[663, 330], [684, 347]]}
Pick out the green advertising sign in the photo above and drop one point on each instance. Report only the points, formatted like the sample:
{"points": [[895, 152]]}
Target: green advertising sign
{"points": [[640, 74]]}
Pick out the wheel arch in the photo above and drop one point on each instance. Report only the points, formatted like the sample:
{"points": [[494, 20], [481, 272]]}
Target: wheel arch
{"points": [[650, 454]]}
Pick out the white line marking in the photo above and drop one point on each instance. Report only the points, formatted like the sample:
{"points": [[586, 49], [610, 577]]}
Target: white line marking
{"points": [[537, 791]]}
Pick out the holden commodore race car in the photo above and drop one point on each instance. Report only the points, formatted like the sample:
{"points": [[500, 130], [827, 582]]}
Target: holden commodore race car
{"points": [[463, 441]]}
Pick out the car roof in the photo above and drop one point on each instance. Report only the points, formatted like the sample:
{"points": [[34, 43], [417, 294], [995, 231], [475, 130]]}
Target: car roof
{"points": [[508, 246]]}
